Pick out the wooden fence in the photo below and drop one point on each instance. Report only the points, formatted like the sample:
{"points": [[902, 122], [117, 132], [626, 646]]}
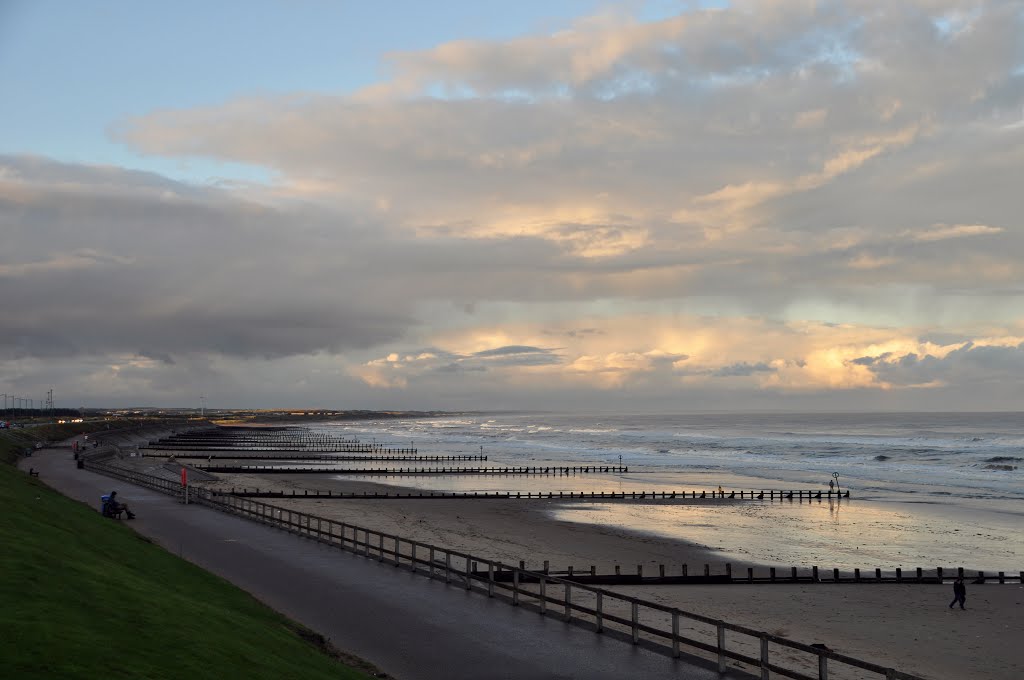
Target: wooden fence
{"points": [[603, 611]]}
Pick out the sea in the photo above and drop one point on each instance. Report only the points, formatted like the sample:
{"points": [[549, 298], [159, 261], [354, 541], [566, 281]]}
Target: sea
{"points": [[926, 489]]}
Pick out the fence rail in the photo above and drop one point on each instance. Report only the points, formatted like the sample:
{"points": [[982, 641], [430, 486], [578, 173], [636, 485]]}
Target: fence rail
{"points": [[596, 608]]}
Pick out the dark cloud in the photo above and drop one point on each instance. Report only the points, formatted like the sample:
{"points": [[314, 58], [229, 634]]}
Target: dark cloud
{"points": [[510, 350], [965, 368], [742, 369]]}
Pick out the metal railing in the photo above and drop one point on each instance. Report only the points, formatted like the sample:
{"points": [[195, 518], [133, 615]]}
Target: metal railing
{"points": [[640, 621]]}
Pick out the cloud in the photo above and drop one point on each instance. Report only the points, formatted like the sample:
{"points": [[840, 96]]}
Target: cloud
{"points": [[940, 232], [763, 199]]}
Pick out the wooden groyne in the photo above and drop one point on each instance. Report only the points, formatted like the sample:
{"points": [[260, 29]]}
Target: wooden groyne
{"points": [[769, 495], [772, 575], [323, 457], [297, 440], [283, 448], [522, 470]]}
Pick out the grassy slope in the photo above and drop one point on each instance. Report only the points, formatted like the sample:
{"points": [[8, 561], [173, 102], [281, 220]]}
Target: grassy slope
{"points": [[84, 597]]}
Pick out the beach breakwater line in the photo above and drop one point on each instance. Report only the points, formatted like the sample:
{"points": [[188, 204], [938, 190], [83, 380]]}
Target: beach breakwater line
{"points": [[770, 495], [773, 576], [283, 448], [278, 469], [325, 457], [602, 611], [231, 439]]}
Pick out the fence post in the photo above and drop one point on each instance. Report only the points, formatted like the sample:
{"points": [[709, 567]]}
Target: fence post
{"points": [[568, 602], [822, 666], [490, 579], [764, 657], [447, 567], [515, 587], [469, 574], [721, 647], [599, 616], [675, 634], [543, 595], [636, 623]]}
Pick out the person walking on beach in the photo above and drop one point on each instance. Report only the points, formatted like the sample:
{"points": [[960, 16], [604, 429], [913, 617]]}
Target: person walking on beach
{"points": [[831, 485], [959, 593]]}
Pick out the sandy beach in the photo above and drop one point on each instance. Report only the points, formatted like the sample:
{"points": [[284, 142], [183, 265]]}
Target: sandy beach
{"points": [[905, 626]]}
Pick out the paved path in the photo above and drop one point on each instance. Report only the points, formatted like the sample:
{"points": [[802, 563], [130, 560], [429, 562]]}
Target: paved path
{"points": [[410, 626]]}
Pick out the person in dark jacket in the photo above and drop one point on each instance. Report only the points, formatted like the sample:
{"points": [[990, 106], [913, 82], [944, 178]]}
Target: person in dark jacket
{"points": [[959, 593], [113, 508]]}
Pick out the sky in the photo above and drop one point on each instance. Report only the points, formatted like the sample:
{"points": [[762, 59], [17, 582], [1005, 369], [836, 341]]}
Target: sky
{"points": [[561, 205]]}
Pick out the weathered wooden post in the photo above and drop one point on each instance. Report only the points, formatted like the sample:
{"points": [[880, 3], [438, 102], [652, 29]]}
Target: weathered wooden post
{"points": [[728, 570], [920, 574], [599, 612], [878, 574], [636, 623], [684, 570], [750, 574], [792, 573], [515, 587], [707, 570], [764, 656], [469, 574], [899, 575], [814, 574], [617, 570], [856, 574], [721, 647], [568, 602], [822, 666], [938, 573], [490, 579], [835, 575], [545, 566], [640, 570], [543, 595], [771, 574]]}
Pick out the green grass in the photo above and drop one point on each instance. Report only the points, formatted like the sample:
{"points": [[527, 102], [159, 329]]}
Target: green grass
{"points": [[86, 597]]}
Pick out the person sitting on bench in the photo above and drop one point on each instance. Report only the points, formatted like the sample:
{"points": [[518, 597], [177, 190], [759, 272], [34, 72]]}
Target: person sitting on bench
{"points": [[112, 508]]}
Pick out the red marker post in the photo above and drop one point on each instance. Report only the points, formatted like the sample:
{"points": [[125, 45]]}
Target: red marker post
{"points": [[184, 483]]}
